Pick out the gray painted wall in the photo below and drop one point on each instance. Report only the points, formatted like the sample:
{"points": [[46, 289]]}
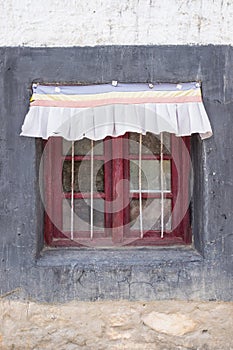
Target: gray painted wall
{"points": [[29, 270]]}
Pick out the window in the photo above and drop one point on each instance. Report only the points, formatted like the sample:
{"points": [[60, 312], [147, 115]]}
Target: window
{"points": [[122, 191]]}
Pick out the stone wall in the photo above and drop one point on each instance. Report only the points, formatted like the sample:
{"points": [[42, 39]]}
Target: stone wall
{"points": [[110, 22], [169, 325]]}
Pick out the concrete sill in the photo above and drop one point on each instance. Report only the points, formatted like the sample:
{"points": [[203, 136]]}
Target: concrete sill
{"points": [[118, 258]]}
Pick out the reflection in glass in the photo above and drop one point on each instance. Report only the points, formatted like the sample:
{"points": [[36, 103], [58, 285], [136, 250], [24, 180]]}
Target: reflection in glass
{"points": [[82, 147], [150, 175], [82, 176], [151, 214], [150, 143], [82, 215]]}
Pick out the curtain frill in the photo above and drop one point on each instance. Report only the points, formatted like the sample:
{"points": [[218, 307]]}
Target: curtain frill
{"points": [[116, 119]]}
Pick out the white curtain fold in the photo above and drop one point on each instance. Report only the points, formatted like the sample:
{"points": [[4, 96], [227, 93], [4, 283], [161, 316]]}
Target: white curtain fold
{"points": [[96, 123]]}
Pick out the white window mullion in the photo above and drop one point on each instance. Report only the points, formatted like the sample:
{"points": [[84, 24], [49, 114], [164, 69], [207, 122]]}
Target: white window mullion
{"points": [[92, 173], [161, 185], [72, 193], [140, 185]]}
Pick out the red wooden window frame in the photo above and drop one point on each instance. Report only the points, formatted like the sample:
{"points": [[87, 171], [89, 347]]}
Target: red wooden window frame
{"points": [[116, 226]]}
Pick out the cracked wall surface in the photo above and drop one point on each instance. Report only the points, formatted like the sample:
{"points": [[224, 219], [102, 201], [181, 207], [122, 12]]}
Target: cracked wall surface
{"points": [[29, 270]]}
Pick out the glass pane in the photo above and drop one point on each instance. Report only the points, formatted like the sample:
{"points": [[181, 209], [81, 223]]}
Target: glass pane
{"points": [[151, 214], [82, 176], [83, 147], [150, 173], [82, 215], [150, 143]]}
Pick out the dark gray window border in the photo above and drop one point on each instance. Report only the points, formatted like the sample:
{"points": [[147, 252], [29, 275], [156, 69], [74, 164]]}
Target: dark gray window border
{"points": [[203, 272]]}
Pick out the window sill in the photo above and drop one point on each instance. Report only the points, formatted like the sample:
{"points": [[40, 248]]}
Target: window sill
{"points": [[115, 257]]}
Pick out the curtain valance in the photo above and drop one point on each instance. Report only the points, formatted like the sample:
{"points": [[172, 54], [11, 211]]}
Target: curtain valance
{"points": [[97, 111]]}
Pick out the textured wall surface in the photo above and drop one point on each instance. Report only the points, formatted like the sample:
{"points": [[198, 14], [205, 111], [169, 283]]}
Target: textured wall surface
{"points": [[111, 22], [163, 325], [201, 271]]}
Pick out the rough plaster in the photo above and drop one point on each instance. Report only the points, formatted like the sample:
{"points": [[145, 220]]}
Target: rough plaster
{"points": [[111, 22], [163, 325], [31, 271]]}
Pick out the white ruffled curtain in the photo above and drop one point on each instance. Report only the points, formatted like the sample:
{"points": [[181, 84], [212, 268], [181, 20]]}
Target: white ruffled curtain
{"points": [[96, 123]]}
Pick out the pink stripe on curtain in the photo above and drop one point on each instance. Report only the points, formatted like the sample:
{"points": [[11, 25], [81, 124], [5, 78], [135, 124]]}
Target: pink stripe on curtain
{"points": [[104, 102]]}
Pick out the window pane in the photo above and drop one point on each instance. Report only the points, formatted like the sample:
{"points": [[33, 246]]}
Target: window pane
{"points": [[151, 214], [82, 215], [150, 143], [82, 147], [150, 173], [82, 176]]}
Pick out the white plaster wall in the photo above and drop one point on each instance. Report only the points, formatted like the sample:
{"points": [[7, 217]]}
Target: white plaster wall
{"points": [[119, 22]]}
